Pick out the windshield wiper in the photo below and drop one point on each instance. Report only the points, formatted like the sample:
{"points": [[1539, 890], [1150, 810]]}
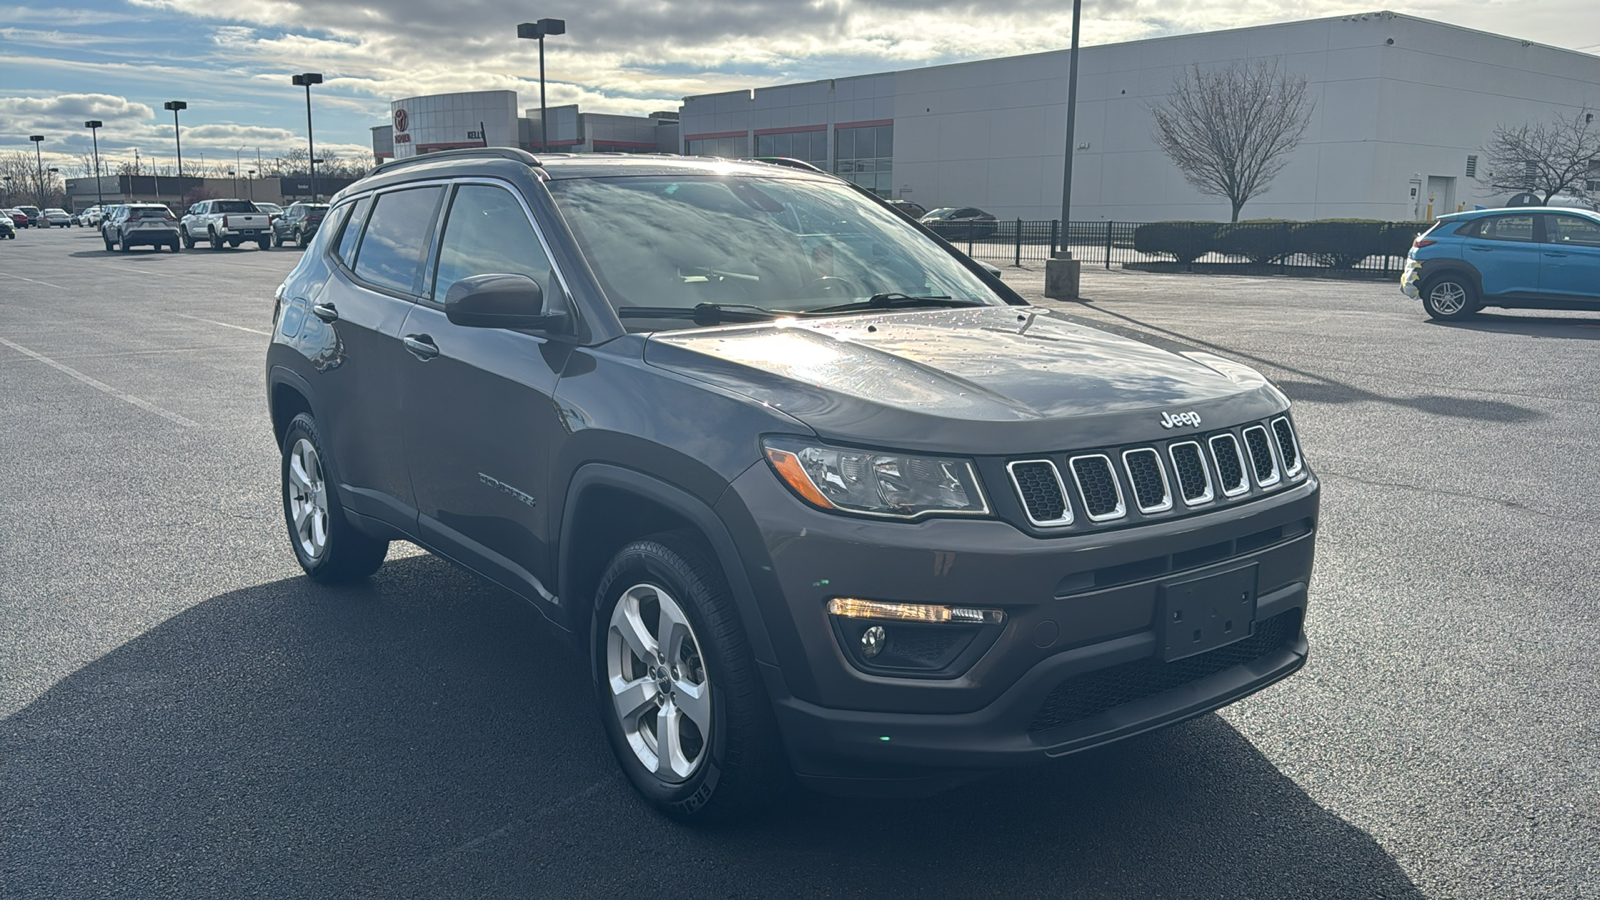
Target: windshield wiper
{"points": [[897, 300], [704, 313]]}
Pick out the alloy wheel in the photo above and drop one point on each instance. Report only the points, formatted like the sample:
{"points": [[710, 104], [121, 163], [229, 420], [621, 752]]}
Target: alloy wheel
{"points": [[658, 683], [1448, 298], [308, 499]]}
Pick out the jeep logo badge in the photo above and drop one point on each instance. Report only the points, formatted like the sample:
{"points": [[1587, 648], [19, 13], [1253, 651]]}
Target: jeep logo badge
{"points": [[1191, 419]]}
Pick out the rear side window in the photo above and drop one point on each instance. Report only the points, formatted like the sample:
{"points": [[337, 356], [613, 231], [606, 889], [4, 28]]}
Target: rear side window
{"points": [[1507, 228], [488, 233], [352, 232], [397, 238], [233, 206], [1572, 230]]}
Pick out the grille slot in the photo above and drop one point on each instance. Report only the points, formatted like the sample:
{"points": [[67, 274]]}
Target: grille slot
{"points": [[1097, 484], [1230, 464], [1151, 492], [1194, 482], [1264, 464], [1288, 445], [1044, 497], [1092, 693]]}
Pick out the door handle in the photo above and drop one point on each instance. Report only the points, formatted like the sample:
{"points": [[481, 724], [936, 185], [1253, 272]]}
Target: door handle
{"points": [[1553, 253], [421, 346], [1482, 249], [326, 312]]}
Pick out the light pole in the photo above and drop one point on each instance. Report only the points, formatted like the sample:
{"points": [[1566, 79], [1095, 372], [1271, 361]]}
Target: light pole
{"points": [[537, 30], [177, 136], [252, 185], [39, 157], [1061, 273], [7, 179], [94, 126], [308, 79], [232, 173]]}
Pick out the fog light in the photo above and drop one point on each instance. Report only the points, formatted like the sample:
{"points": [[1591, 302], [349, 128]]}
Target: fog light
{"points": [[851, 608], [872, 641]]}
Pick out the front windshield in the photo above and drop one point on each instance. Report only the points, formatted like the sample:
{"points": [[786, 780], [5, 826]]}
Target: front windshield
{"points": [[778, 244], [942, 211]]}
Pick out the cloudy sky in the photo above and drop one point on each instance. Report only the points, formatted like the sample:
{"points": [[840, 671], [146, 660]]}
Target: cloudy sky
{"points": [[119, 60]]}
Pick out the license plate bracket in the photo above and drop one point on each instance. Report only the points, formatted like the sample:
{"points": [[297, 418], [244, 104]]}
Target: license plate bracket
{"points": [[1204, 613]]}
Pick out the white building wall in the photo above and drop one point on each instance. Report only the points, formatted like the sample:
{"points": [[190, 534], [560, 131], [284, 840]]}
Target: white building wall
{"points": [[444, 121], [1387, 116]]}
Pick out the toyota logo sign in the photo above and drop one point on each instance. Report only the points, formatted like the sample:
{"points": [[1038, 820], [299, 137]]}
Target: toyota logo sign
{"points": [[401, 120]]}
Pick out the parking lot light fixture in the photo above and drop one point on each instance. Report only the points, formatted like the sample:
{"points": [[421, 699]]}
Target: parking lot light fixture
{"points": [[306, 80], [537, 31], [38, 156], [177, 136], [94, 126]]}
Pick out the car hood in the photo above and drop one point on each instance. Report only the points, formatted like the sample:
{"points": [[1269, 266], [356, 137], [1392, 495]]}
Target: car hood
{"points": [[989, 380]]}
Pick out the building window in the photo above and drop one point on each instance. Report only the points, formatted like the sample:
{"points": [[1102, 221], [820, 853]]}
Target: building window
{"points": [[731, 147], [811, 146], [865, 155]]}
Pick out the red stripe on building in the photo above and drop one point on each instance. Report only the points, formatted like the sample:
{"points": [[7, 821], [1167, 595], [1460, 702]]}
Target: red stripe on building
{"points": [[801, 129], [714, 135], [642, 145], [863, 124]]}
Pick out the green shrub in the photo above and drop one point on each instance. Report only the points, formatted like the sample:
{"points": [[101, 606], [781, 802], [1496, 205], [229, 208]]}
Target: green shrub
{"points": [[1338, 243], [1183, 241], [1262, 241]]}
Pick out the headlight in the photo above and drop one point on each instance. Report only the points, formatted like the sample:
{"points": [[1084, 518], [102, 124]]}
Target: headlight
{"points": [[875, 483]]}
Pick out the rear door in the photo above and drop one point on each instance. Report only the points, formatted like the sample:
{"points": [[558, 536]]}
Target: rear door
{"points": [[480, 418], [1505, 254], [377, 274], [1571, 249]]}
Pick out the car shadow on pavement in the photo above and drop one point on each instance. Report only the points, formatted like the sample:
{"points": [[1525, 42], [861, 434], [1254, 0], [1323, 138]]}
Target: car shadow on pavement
{"points": [[1564, 327], [425, 735]]}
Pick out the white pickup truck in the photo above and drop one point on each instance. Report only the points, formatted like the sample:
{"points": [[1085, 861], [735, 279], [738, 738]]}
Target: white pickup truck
{"points": [[230, 222]]}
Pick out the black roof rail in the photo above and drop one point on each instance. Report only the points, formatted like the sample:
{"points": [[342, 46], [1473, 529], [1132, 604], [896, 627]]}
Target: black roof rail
{"points": [[511, 153]]}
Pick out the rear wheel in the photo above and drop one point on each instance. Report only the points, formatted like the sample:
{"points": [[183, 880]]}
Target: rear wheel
{"points": [[327, 546], [683, 705], [1449, 297], [188, 239], [176, 246], [265, 243], [124, 246], [216, 242]]}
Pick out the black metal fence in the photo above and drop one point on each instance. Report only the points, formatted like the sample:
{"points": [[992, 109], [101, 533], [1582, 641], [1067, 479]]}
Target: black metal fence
{"points": [[1328, 246]]}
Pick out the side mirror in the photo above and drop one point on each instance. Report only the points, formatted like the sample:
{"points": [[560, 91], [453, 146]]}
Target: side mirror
{"points": [[498, 301]]}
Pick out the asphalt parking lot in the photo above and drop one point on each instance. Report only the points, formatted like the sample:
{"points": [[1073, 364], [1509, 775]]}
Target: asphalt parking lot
{"points": [[183, 715]]}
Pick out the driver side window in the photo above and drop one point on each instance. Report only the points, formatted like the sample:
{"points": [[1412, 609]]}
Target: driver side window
{"points": [[488, 233]]}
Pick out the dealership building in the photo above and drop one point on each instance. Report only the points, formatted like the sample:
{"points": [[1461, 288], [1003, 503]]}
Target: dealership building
{"points": [[490, 119], [1402, 106]]}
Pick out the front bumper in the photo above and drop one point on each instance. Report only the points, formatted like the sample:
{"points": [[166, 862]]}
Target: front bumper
{"points": [[1023, 700], [1411, 279]]}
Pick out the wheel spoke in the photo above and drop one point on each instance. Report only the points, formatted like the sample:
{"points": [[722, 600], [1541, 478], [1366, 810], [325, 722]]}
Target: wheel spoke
{"points": [[633, 698], [671, 629], [297, 473], [695, 702], [669, 743], [319, 529], [633, 630]]}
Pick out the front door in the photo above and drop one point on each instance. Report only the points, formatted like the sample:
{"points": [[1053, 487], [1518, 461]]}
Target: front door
{"points": [[479, 416], [1571, 257], [1503, 251]]}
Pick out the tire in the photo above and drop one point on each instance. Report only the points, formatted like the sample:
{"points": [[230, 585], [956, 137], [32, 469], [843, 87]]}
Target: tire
{"points": [[216, 242], [299, 239], [188, 239], [1450, 297], [123, 246], [175, 246], [265, 243], [109, 246], [311, 507], [726, 758]]}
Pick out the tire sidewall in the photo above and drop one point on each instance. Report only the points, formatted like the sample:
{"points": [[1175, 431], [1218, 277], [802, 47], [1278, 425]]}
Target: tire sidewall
{"points": [[649, 562], [304, 426]]}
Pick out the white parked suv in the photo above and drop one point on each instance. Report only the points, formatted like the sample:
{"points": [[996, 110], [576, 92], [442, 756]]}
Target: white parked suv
{"points": [[226, 222]]}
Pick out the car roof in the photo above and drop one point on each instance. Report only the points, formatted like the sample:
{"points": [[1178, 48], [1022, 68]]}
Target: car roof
{"points": [[1518, 210]]}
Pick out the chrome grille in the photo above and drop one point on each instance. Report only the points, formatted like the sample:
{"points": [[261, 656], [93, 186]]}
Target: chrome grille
{"points": [[1043, 496], [1288, 446], [1097, 484], [1149, 482], [1230, 464], [1264, 464], [1194, 482]]}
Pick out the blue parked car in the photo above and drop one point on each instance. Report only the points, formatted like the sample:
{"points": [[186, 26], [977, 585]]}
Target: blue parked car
{"points": [[1521, 258]]}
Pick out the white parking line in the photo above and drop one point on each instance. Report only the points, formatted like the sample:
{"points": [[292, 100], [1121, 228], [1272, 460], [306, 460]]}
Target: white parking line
{"points": [[225, 324], [102, 386], [31, 281]]}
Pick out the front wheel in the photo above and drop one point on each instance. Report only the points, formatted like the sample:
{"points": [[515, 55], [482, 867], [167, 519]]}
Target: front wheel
{"points": [[1449, 297], [188, 240], [683, 705], [327, 546]]}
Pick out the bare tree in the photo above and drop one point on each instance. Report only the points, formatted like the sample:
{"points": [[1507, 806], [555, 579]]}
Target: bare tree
{"points": [[1230, 130], [1545, 158]]}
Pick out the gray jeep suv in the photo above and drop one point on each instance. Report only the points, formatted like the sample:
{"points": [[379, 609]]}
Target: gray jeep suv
{"points": [[814, 496]]}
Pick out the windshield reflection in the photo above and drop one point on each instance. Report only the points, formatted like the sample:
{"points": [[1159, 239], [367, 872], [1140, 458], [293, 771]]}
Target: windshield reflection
{"points": [[786, 245]]}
